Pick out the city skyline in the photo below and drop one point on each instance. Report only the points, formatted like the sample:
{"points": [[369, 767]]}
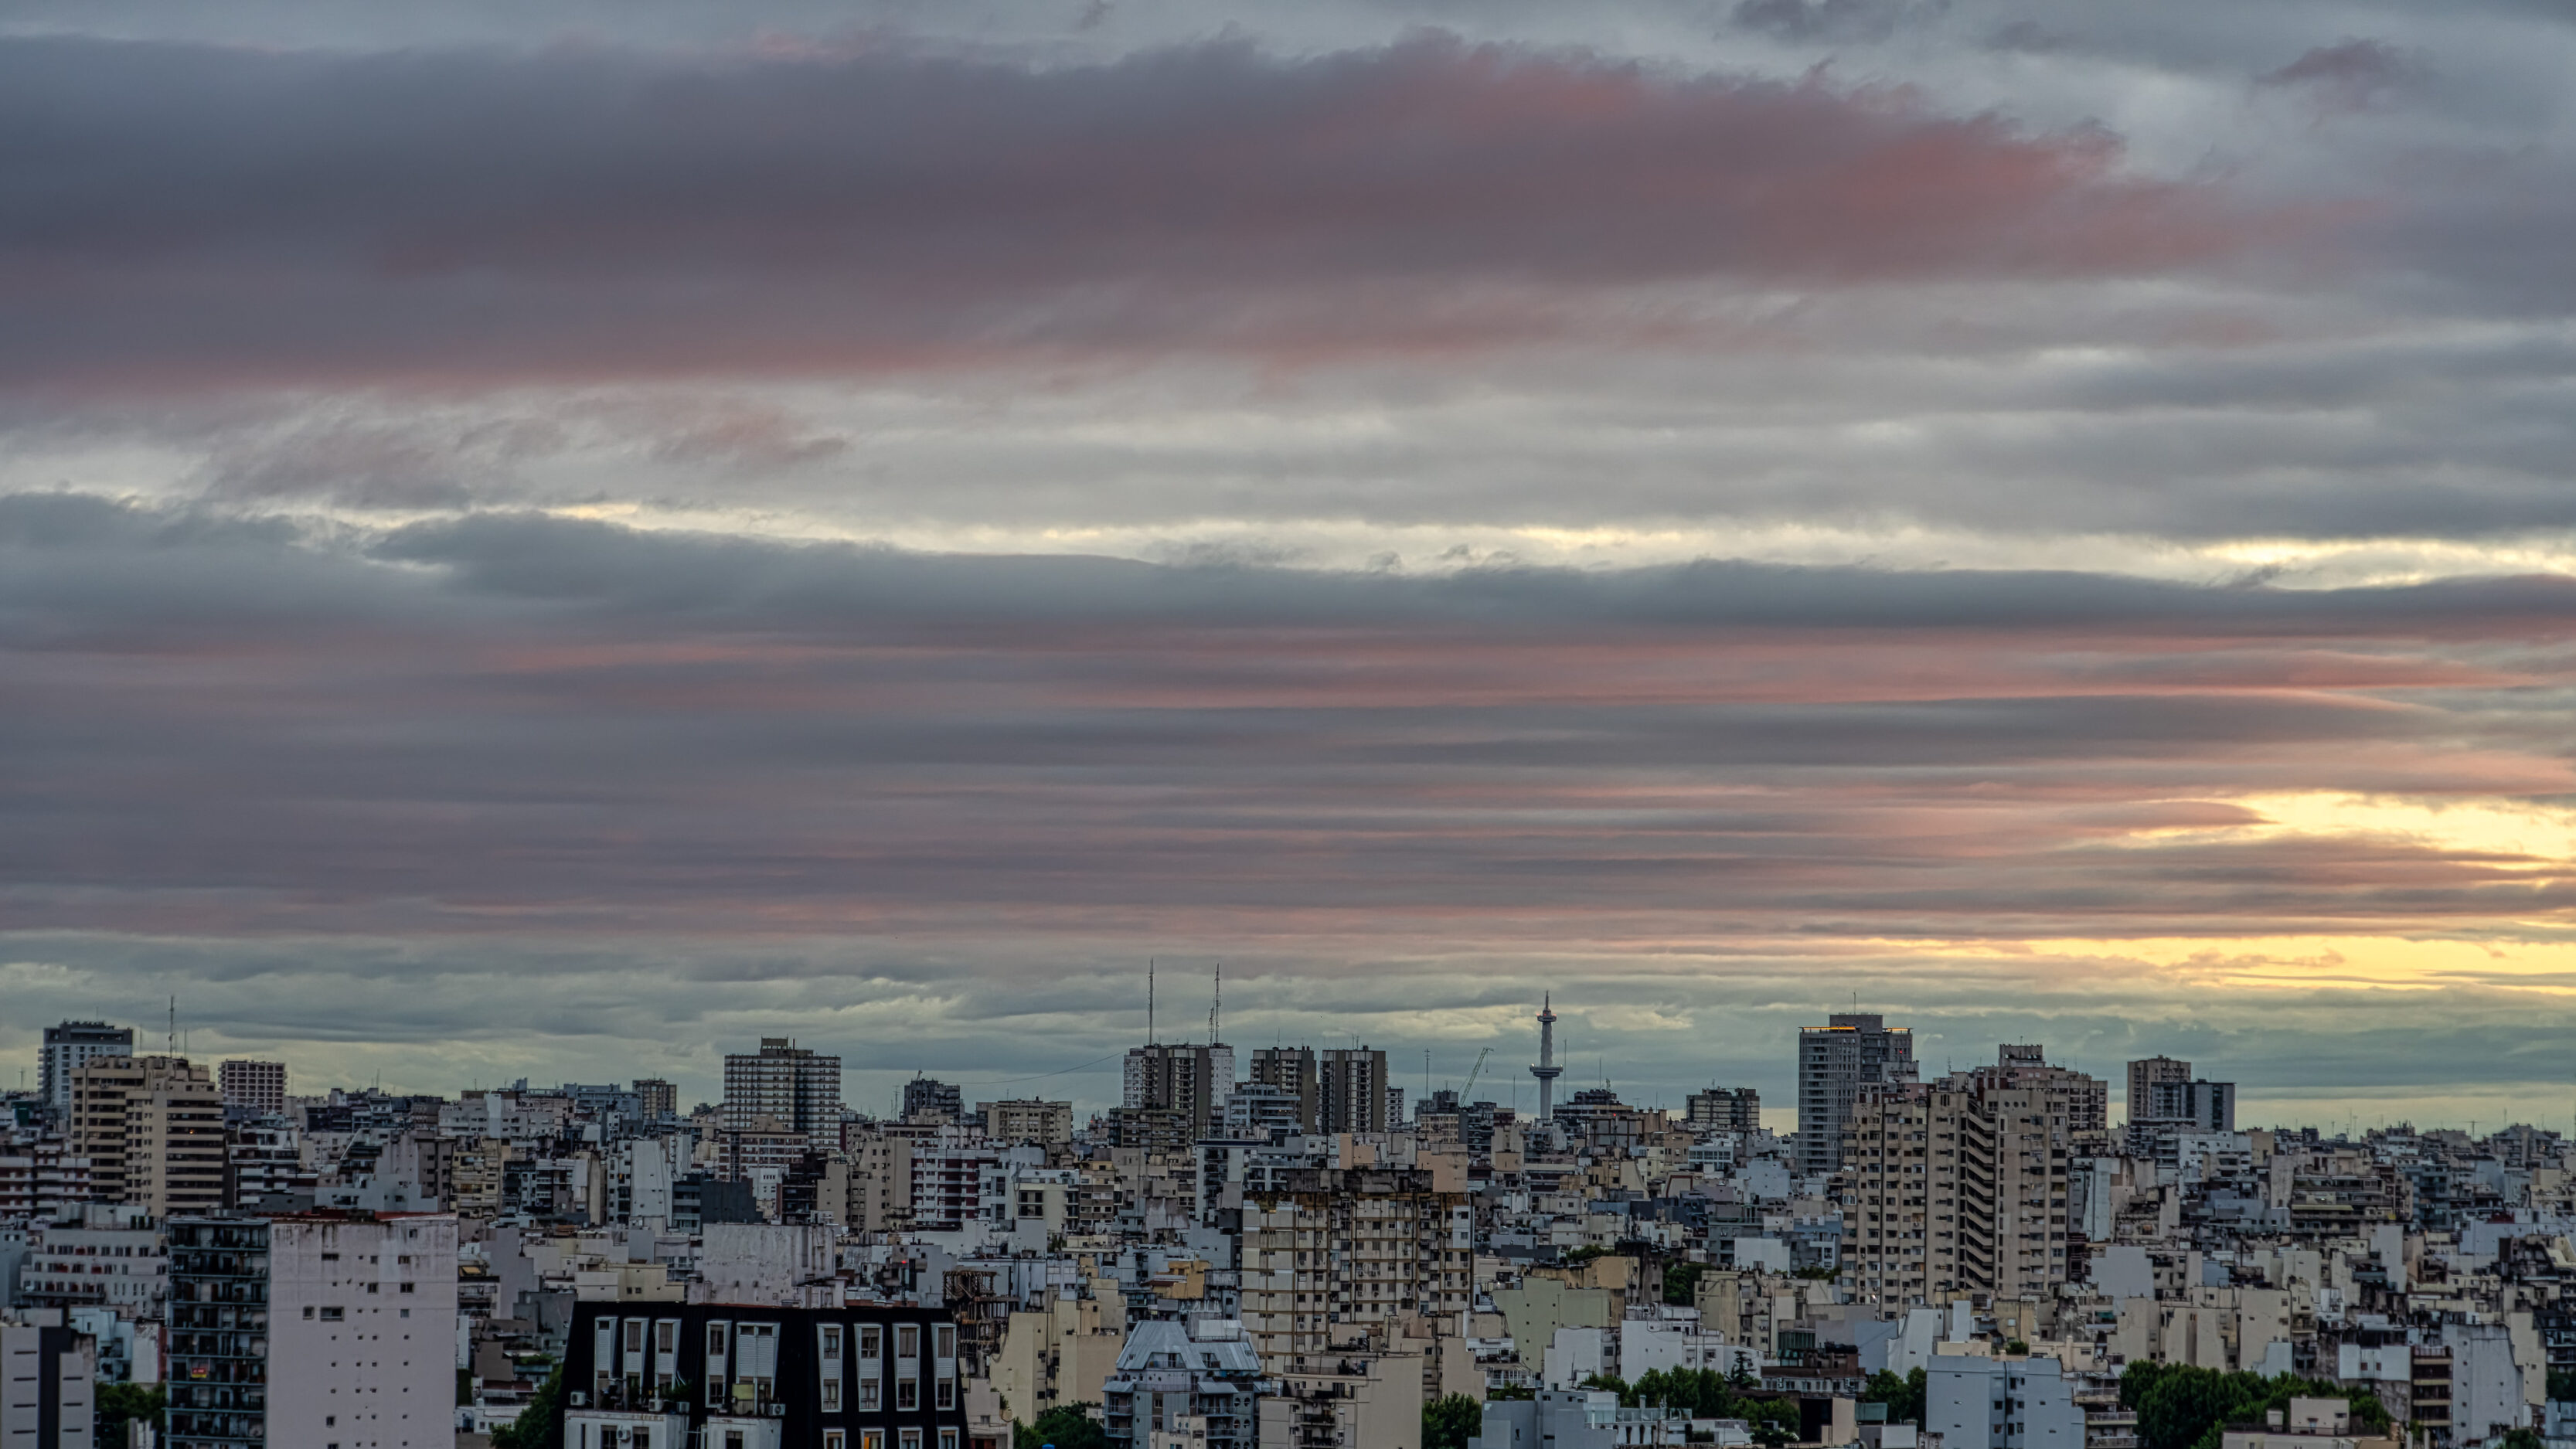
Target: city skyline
{"points": [[598, 533], [1777, 1082]]}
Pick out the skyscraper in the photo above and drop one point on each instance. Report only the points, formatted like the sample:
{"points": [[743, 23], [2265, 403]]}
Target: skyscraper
{"points": [[1290, 1070], [1835, 1062], [657, 1099], [2147, 1075], [1350, 1091], [71, 1045], [1178, 1077], [926, 1097], [798, 1089]]}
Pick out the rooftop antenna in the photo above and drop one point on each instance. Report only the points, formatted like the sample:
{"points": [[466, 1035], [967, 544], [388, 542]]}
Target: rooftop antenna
{"points": [[170, 1043], [1149, 1001], [1218, 1005]]}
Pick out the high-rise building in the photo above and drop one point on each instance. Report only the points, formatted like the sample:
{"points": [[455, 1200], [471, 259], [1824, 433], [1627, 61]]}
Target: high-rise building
{"points": [[69, 1047], [256, 1087], [2147, 1075], [363, 1309], [794, 1087], [1724, 1109], [1956, 1187], [1351, 1090], [658, 1100], [1290, 1070], [47, 1383], [2085, 1100], [1047, 1123], [2193, 1106], [926, 1098], [153, 1131], [1193, 1081], [1835, 1063], [1327, 1249]]}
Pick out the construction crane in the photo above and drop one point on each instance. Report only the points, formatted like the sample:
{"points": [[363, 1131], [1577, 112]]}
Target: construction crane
{"points": [[1472, 1073]]}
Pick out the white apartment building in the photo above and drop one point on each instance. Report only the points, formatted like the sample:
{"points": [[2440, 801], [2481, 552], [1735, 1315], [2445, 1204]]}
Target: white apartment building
{"points": [[2002, 1403], [364, 1309]]}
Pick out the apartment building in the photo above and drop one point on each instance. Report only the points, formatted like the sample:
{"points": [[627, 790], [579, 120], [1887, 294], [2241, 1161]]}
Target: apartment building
{"points": [[1049, 1124], [1837, 1062], [153, 1131], [1954, 1187], [1327, 1253], [362, 1307], [47, 1400], [258, 1088], [69, 1047], [745, 1376], [789, 1085]]}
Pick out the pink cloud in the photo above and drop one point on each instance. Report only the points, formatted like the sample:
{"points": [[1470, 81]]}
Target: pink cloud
{"points": [[213, 216]]}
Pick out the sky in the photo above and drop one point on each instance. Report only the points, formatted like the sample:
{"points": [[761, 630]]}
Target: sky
{"points": [[560, 538]]}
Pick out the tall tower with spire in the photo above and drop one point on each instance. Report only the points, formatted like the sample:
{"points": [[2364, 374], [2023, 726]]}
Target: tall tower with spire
{"points": [[1547, 1071]]}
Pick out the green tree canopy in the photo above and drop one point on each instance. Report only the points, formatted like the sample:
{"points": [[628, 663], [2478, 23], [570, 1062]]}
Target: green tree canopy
{"points": [[1066, 1426], [1448, 1423], [540, 1424], [2182, 1407]]}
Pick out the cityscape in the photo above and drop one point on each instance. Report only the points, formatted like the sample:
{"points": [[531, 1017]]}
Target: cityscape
{"points": [[1277, 1251], [1347, 724]]}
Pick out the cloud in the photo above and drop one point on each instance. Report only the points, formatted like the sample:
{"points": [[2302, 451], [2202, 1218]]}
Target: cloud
{"points": [[2351, 75], [190, 215]]}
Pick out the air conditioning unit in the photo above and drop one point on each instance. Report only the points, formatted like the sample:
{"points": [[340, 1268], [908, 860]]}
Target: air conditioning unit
{"points": [[778, 1411], [578, 1399]]}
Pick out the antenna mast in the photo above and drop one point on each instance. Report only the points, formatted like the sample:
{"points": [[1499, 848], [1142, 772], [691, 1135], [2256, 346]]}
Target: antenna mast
{"points": [[1217, 1006], [1149, 1001]]}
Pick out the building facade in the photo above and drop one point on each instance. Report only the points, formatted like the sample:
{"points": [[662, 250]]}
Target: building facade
{"points": [[71, 1046], [1953, 1188], [743, 1376], [363, 1308], [255, 1087], [1836, 1062], [153, 1131], [789, 1085]]}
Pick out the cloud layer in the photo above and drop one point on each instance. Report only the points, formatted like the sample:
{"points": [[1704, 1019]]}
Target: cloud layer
{"points": [[522, 735], [538, 539]]}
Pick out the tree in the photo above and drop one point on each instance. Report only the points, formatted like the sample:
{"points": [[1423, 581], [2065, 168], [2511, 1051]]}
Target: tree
{"points": [[1448, 1423], [1681, 1283], [2522, 1439], [1903, 1396], [2182, 1407], [1066, 1426], [2562, 1384], [113, 1404], [540, 1424]]}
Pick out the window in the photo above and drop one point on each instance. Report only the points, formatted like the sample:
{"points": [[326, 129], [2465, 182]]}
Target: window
{"points": [[715, 1340], [907, 1341], [334, 1315], [835, 1439], [666, 1337], [945, 1336], [308, 1310], [832, 1393], [947, 1439], [634, 1335], [869, 1401], [406, 1288], [641, 1437], [871, 1439], [907, 1394], [871, 1343], [947, 1393], [912, 1439], [832, 1341], [733, 1439]]}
